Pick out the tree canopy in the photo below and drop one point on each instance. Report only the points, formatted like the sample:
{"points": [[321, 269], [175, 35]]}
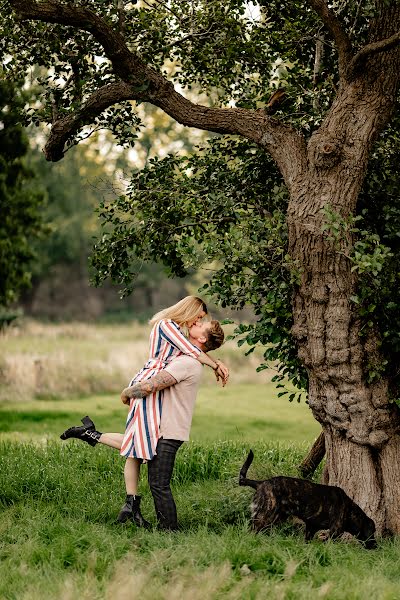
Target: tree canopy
{"points": [[224, 209], [237, 51], [227, 204]]}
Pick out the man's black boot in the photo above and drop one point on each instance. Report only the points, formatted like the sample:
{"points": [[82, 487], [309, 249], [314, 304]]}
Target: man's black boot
{"points": [[86, 432], [131, 511]]}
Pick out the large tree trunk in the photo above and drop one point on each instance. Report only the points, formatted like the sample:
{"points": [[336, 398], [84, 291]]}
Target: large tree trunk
{"points": [[361, 426]]}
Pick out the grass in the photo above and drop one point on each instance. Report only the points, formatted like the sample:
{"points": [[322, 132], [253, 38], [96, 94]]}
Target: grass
{"points": [[59, 539], [58, 536], [246, 412]]}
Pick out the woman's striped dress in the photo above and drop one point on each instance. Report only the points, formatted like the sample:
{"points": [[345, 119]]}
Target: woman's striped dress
{"points": [[143, 423]]}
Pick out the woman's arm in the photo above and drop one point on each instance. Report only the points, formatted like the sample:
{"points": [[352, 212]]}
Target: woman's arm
{"points": [[173, 335], [221, 370], [207, 360]]}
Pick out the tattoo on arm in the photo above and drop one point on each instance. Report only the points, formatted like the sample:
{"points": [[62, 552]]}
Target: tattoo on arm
{"points": [[144, 388]]}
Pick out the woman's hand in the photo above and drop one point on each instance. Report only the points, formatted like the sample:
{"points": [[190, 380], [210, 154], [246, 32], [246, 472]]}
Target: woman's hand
{"points": [[222, 372]]}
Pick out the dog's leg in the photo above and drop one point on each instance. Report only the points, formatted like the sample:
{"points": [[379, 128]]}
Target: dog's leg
{"points": [[370, 543], [265, 522], [266, 508], [310, 531]]}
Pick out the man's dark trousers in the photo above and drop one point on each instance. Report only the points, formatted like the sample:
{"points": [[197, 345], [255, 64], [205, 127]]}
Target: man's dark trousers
{"points": [[159, 471]]}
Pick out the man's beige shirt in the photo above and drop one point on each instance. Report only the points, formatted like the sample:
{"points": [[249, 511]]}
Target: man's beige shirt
{"points": [[179, 400]]}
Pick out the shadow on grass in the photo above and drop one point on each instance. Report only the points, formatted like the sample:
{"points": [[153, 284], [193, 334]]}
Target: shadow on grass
{"points": [[21, 421]]}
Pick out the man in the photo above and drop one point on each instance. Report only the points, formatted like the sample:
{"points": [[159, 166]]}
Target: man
{"points": [[179, 380]]}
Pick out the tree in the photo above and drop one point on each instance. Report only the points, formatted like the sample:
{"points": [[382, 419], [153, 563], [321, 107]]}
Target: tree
{"points": [[20, 200], [339, 64]]}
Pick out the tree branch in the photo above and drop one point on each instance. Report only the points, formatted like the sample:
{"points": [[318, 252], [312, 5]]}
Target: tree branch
{"points": [[361, 57], [143, 83], [314, 457], [121, 16], [336, 29], [319, 54], [52, 11], [65, 127], [189, 36]]}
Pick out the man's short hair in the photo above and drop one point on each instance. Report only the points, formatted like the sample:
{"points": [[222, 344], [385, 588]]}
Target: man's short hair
{"points": [[215, 337]]}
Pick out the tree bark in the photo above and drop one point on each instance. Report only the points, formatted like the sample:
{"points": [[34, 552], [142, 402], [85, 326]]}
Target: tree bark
{"points": [[361, 426]]}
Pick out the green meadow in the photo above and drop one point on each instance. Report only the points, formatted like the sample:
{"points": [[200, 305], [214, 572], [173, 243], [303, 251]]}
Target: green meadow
{"points": [[241, 412], [59, 500]]}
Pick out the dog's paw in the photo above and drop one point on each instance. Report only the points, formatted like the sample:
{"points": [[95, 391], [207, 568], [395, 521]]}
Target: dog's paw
{"points": [[323, 535]]}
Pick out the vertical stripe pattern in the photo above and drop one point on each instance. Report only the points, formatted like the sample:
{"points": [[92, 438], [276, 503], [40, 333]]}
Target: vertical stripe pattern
{"points": [[143, 422]]}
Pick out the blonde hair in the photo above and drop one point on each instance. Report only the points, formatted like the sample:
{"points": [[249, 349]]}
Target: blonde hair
{"points": [[186, 310]]}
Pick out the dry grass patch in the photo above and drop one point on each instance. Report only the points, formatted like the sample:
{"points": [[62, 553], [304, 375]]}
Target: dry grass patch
{"points": [[75, 359]]}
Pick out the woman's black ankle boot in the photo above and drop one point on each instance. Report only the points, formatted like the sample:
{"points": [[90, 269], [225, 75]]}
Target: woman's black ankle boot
{"points": [[126, 511], [131, 511], [86, 432]]}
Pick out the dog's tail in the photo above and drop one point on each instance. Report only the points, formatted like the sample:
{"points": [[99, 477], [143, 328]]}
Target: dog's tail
{"points": [[243, 472]]}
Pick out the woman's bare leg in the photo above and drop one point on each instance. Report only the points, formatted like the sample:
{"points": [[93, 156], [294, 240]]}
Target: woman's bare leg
{"points": [[132, 465], [131, 508], [114, 440], [131, 475]]}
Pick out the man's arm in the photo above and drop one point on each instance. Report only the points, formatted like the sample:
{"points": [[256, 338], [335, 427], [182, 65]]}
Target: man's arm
{"points": [[144, 388]]}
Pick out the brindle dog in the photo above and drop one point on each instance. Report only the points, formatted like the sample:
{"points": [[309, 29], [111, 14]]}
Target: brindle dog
{"points": [[319, 506]]}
